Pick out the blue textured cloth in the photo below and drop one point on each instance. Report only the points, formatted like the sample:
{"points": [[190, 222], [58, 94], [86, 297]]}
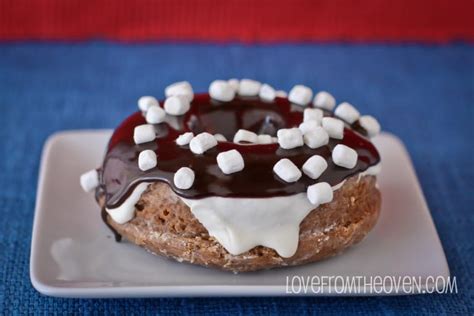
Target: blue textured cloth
{"points": [[424, 94]]}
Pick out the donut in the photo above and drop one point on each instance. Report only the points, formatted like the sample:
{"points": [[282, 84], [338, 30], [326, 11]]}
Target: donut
{"points": [[242, 178]]}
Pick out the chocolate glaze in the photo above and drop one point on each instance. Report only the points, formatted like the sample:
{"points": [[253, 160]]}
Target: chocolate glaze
{"points": [[120, 172]]}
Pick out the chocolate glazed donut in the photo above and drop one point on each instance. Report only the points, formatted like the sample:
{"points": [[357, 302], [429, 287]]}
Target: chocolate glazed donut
{"points": [[163, 223]]}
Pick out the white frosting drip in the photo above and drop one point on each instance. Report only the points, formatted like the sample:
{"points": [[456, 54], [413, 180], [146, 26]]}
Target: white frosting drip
{"points": [[240, 224], [371, 171], [126, 211]]}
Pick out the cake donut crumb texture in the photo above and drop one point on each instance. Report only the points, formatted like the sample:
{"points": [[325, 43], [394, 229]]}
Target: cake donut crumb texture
{"points": [[164, 225]]}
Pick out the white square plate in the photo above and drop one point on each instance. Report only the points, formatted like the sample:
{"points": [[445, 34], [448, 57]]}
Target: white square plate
{"points": [[73, 253]]}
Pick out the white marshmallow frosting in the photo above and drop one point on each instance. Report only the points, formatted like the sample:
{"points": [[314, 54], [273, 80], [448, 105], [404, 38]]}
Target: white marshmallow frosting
{"points": [[240, 224], [126, 211]]}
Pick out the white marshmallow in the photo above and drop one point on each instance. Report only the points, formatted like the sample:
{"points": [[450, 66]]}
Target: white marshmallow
{"points": [[220, 138], [184, 178], [287, 170], [184, 138], [144, 133], [202, 142], [274, 140], [300, 94], [89, 180], [244, 135], [281, 94], [320, 193], [316, 138], [176, 105], [370, 124], [334, 127], [182, 88], [267, 93], [290, 138], [314, 166], [230, 161], [147, 160], [344, 156], [145, 102], [313, 115], [264, 139], [347, 112], [324, 100], [234, 83], [308, 126], [155, 115], [249, 87], [221, 90]]}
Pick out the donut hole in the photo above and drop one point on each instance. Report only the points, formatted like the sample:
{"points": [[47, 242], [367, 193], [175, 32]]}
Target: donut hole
{"points": [[227, 118]]}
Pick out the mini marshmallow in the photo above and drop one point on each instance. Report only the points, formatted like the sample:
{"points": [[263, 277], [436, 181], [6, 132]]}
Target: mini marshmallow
{"points": [[316, 138], [287, 170], [155, 115], [281, 94], [147, 160], [234, 83], [300, 94], [220, 138], [145, 102], [370, 124], [344, 156], [249, 87], [264, 139], [176, 105], [182, 88], [289, 138], [324, 100], [308, 126], [313, 115], [274, 140], [89, 180], [221, 90], [202, 142], [230, 161], [184, 138], [184, 178], [334, 127], [144, 133], [314, 166], [244, 135], [267, 93], [320, 193], [347, 112]]}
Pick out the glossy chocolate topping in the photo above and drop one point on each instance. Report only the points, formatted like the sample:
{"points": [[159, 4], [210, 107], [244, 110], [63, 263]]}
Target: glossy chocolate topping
{"points": [[120, 172]]}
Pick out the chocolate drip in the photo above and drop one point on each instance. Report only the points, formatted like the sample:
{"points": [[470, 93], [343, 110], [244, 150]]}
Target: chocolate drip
{"points": [[120, 172]]}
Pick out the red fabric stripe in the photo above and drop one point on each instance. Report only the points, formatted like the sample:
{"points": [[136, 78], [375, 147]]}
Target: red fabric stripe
{"points": [[241, 20]]}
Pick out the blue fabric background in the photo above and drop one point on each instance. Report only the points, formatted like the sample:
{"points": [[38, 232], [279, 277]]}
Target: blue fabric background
{"points": [[424, 94]]}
